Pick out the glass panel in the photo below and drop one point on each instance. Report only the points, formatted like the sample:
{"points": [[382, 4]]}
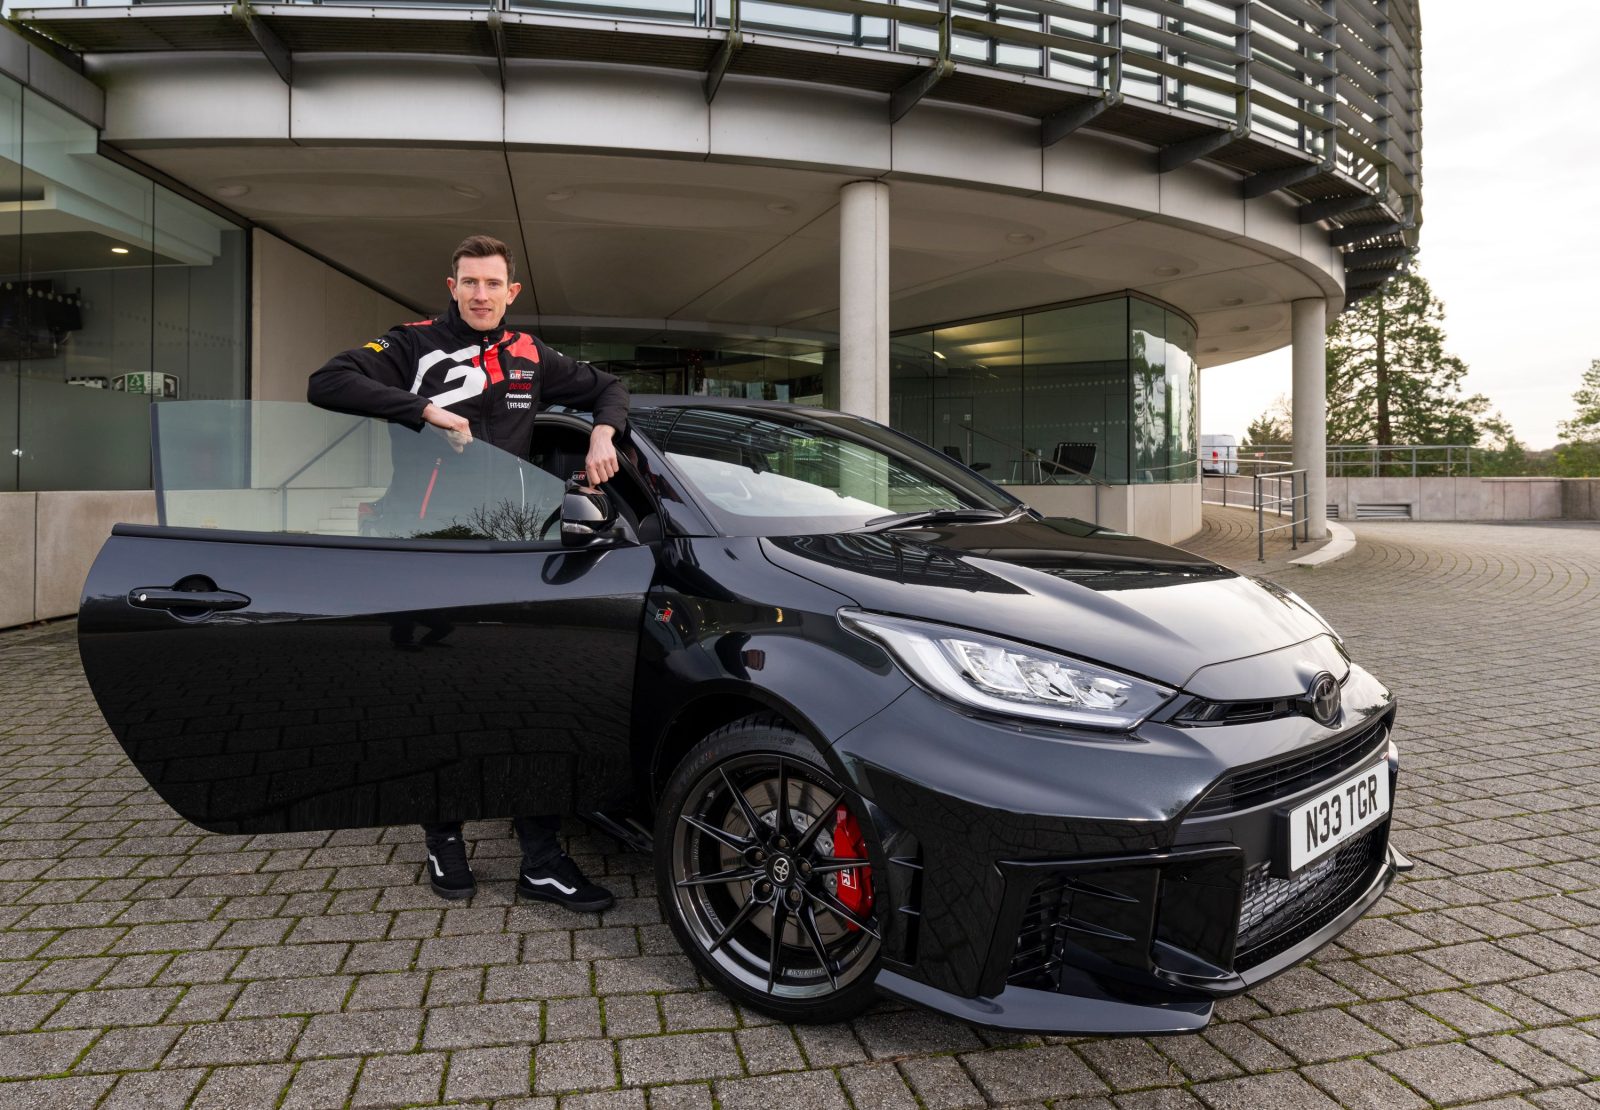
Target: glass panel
{"points": [[911, 385], [1184, 384], [765, 474], [86, 276], [13, 323], [1152, 400], [1077, 389], [976, 401], [285, 467]]}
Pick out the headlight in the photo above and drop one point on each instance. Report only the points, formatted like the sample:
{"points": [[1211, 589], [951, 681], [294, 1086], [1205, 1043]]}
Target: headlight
{"points": [[1004, 677]]}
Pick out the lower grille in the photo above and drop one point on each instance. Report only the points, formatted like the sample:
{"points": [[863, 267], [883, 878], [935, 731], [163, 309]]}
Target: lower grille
{"points": [[1276, 914], [1068, 910]]}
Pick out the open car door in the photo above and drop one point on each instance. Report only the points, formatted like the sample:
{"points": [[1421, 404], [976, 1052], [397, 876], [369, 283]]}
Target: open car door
{"points": [[340, 622]]}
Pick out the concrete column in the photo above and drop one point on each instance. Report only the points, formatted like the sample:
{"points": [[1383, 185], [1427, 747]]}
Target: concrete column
{"points": [[864, 299], [1311, 406]]}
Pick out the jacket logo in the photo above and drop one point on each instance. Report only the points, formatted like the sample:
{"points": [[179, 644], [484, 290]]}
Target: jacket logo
{"points": [[379, 345]]}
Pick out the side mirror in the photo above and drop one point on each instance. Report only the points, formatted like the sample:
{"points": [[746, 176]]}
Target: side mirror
{"points": [[587, 515]]}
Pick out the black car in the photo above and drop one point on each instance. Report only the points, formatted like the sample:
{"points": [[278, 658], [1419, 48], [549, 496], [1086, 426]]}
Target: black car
{"points": [[897, 731]]}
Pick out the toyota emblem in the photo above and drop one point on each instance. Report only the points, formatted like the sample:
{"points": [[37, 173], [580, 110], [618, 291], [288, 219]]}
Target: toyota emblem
{"points": [[780, 869], [1323, 701]]}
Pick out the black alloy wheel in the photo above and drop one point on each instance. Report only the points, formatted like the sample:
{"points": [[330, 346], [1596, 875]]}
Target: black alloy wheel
{"points": [[748, 873]]}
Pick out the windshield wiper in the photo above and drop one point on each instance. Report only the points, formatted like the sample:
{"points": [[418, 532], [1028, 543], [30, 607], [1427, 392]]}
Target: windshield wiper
{"points": [[937, 516]]}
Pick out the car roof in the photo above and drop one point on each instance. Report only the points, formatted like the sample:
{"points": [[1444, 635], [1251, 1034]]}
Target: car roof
{"points": [[685, 400]]}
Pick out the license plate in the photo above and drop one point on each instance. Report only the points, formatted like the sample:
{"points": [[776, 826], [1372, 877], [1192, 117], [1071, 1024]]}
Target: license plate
{"points": [[1318, 826]]}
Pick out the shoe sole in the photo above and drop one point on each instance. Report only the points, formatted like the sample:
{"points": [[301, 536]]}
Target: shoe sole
{"points": [[453, 894], [576, 907]]}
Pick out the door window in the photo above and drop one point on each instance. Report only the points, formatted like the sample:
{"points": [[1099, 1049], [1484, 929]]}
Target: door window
{"points": [[262, 466]]}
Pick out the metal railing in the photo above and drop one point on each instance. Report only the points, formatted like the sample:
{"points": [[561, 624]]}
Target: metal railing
{"points": [[1266, 497], [1360, 460], [1339, 83]]}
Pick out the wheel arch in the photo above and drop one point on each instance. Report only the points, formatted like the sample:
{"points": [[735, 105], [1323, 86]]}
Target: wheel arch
{"points": [[714, 706]]}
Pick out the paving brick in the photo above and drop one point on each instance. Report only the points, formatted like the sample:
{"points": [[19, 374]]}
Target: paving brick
{"points": [[486, 1073], [1281, 1091], [137, 1006], [251, 1087], [154, 1090], [1049, 1072], [678, 1057], [1357, 1085], [485, 1024], [1452, 1073], [236, 1042], [806, 1091], [940, 1083], [320, 1084], [129, 1049], [412, 1079], [24, 1055], [574, 1066], [377, 1031], [54, 1094]]}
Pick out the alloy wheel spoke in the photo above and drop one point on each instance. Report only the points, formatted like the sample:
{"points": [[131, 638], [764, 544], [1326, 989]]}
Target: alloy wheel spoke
{"points": [[756, 827], [784, 824], [736, 875], [746, 912], [827, 865], [841, 911], [780, 918], [803, 845], [737, 843], [808, 924]]}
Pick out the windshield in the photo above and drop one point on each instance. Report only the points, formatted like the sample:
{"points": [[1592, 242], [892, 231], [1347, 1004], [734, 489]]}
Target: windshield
{"points": [[764, 473], [271, 466]]}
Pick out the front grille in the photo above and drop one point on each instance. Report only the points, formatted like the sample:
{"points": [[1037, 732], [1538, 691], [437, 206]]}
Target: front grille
{"points": [[1253, 786], [1276, 914]]}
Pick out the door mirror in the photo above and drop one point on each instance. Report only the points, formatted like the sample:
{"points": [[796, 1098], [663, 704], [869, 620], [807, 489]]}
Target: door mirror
{"points": [[587, 516]]}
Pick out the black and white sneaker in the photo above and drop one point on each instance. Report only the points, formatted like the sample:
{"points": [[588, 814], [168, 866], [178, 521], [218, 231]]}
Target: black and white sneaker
{"points": [[561, 882], [447, 868]]}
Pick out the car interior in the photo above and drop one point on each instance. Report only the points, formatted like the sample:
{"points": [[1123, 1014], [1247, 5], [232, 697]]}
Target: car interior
{"points": [[560, 449]]}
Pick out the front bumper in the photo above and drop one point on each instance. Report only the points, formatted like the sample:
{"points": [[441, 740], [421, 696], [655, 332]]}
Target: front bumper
{"points": [[1081, 1004], [1071, 920]]}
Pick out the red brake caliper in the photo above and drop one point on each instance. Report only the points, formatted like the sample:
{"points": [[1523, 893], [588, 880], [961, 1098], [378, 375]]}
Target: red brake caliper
{"points": [[855, 885]]}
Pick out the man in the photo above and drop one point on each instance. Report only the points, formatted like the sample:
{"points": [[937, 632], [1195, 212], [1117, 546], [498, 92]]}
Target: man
{"points": [[466, 375]]}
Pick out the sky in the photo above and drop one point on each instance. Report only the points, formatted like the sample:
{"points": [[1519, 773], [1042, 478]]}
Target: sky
{"points": [[1510, 237]]}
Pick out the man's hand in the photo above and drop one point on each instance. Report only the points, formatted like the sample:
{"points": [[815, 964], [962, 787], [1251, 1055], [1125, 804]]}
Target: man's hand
{"points": [[456, 428], [601, 463]]}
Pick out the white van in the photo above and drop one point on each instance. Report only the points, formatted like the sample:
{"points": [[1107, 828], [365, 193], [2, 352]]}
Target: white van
{"points": [[1219, 455]]}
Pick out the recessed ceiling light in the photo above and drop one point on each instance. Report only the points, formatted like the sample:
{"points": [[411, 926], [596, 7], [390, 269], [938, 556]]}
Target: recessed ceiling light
{"points": [[467, 191], [1018, 237], [232, 190], [781, 209], [1231, 301], [1208, 350], [559, 194], [1167, 271], [119, 250], [1240, 327]]}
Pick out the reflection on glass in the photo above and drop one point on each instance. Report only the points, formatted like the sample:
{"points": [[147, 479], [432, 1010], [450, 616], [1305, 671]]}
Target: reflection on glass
{"points": [[1100, 391], [286, 467], [114, 293], [764, 474]]}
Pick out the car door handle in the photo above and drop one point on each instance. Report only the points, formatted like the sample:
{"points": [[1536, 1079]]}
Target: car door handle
{"points": [[165, 597]]}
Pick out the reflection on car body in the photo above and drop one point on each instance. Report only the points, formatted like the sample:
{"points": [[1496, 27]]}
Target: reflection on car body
{"points": [[895, 732]]}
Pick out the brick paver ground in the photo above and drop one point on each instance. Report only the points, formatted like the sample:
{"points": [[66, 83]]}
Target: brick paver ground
{"points": [[144, 962]]}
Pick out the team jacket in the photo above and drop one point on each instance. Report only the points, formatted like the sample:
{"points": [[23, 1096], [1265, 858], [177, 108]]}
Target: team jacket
{"points": [[496, 379]]}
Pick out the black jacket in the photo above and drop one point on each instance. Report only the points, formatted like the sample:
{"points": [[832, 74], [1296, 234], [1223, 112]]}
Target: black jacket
{"points": [[496, 379]]}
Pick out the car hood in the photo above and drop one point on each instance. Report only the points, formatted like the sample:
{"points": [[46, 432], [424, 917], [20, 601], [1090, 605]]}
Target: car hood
{"points": [[1130, 603]]}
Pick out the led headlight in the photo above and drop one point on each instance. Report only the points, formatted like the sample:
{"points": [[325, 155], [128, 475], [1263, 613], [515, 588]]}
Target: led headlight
{"points": [[1000, 676]]}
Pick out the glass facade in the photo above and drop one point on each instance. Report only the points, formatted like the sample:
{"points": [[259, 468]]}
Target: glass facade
{"points": [[115, 293], [1106, 388]]}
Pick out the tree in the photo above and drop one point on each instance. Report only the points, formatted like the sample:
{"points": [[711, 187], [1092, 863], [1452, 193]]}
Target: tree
{"points": [[1273, 428], [1585, 427], [1389, 378]]}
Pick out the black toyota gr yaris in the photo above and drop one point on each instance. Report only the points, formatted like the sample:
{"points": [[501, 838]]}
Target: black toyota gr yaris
{"points": [[897, 731]]}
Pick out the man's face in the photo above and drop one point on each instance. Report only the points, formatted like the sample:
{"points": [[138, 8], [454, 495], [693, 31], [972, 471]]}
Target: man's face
{"points": [[482, 291]]}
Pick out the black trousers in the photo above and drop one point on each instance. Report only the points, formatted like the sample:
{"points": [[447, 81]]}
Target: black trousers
{"points": [[537, 834]]}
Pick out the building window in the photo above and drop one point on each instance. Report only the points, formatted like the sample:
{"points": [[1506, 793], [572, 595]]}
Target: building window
{"points": [[115, 294], [1099, 391]]}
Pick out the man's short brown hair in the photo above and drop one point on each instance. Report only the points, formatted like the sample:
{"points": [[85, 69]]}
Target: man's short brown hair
{"points": [[483, 246]]}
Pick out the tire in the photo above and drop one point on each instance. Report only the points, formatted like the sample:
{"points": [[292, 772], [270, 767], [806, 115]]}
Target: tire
{"points": [[827, 959]]}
